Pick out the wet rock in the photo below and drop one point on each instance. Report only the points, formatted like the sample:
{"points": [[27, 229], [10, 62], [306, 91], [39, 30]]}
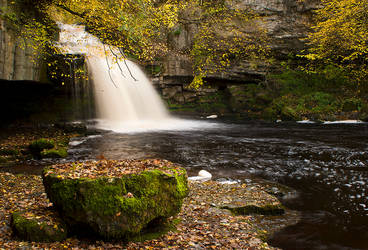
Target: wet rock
{"points": [[270, 209], [170, 92], [31, 227], [242, 199], [73, 127], [120, 206]]}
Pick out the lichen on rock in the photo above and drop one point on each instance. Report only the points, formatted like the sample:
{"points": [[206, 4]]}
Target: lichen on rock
{"points": [[115, 199]]}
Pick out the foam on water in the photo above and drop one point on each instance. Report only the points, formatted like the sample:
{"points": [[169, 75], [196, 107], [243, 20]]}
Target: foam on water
{"points": [[343, 122], [306, 122], [142, 126]]}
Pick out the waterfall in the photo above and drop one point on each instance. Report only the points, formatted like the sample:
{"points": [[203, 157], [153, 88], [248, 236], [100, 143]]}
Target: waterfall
{"points": [[125, 98]]}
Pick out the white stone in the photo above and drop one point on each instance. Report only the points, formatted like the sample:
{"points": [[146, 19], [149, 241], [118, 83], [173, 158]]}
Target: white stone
{"points": [[203, 175]]}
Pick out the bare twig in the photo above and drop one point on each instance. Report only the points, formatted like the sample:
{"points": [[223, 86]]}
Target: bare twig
{"points": [[108, 65], [117, 60], [126, 65]]}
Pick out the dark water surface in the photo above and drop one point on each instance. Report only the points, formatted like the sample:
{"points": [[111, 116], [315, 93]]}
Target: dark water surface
{"points": [[326, 164]]}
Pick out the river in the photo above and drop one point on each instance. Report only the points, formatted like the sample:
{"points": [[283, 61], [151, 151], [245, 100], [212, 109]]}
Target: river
{"points": [[327, 165]]}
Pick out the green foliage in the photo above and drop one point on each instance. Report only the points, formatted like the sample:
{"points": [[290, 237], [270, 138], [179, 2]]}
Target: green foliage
{"points": [[250, 98], [295, 107], [352, 104], [154, 69], [328, 78], [318, 95], [227, 34], [210, 103]]}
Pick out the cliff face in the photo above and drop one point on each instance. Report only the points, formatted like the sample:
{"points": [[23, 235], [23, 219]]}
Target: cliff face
{"points": [[16, 63], [286, 22]]}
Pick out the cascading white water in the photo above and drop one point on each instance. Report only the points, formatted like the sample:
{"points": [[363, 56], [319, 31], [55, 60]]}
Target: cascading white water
{"points": [[125, 99]]}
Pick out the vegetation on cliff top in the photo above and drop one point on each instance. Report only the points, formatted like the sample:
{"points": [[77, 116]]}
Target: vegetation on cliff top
{"points": [[340, 37], [337, 43], [140, 28]]}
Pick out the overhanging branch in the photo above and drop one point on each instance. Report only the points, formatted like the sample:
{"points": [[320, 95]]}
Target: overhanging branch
{"points": [[81, 15]]}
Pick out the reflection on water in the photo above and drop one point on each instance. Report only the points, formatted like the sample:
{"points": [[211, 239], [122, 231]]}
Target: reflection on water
{"points": [[327, 164]]}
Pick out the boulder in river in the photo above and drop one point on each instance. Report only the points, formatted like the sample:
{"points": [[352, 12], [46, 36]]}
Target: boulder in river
{"points": [[116, 199]]}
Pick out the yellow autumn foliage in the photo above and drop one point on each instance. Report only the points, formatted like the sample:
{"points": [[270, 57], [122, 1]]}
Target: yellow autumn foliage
{"points": [[225, 34], [340, 36]]}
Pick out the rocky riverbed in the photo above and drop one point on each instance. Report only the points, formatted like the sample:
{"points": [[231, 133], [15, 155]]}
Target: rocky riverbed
{"points": [[202, 224], [204, 221]]}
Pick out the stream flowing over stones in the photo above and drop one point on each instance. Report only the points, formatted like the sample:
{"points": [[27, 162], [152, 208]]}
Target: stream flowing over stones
{"points": [[325, 163]]}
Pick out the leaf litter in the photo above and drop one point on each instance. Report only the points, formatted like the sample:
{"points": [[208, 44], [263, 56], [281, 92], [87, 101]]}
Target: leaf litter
{"points": [[202, 224]]}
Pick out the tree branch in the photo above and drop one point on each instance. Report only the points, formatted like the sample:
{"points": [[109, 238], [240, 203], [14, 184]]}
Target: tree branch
{"points": [[81, 15], [117, 61], [108, 65], [126, 65]]}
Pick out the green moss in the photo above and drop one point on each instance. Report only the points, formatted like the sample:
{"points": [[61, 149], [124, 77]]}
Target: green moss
{"points": [[117, 208], [54, 153], [101, 196], [252, 209], [36, 147], [34, 230]]}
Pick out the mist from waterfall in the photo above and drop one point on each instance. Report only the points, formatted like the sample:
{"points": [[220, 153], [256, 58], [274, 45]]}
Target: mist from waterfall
{"points": [[125, 98]]}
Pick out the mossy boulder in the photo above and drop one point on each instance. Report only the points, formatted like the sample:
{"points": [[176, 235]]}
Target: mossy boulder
{"points": [[54, 153], [31, 227], [44, 148], [115, 199], [36, 147]]}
